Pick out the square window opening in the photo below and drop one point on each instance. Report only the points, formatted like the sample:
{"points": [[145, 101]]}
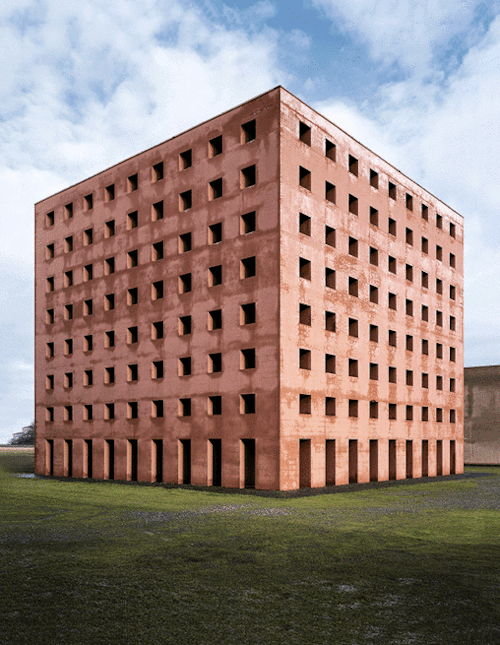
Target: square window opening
{"points": [[247, 223], [304, 178], [248, 131], [185, 159], [157, 330], [215, 275], [248, 267], [330, 278], [353, 287], [88, 202], [215, 146], [132, 183], [185, 243], [157, 290], [185, 283], [304, 359], [330, 150], [214, 363], [215, 189], [248, 177], [157, 171], [132, 259], [305, 268], [247, 313], [353, 165], [304, 224], [247, 403], [109, 302], [304, 404], [185, 200], [305, 133], [109, 193], [184, 407], [132, 335], [215, 233], [109, 339], [247, 359], [330, 321], [185, 325], [305, 315], [214, 405], [109, 228], [353, 327], [157, 251], [330, 236], [330, 364], [132, 220], [330, 192], [185, 366], [157, 409], [88, 273], [330, 405], [157, 211], [215, 319]]}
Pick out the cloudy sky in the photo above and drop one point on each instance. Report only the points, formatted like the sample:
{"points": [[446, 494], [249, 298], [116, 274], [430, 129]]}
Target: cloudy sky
{"points": [[85, 84]]}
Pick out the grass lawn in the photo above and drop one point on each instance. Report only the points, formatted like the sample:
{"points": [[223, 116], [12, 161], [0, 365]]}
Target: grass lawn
{"points": [[85, 562]]}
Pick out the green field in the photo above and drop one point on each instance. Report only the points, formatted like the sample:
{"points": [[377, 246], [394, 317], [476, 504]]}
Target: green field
{"points": [[85, 562]]}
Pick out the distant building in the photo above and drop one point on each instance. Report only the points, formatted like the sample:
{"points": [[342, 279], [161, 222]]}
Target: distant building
{"points": [[258, 301], [482, 415]]}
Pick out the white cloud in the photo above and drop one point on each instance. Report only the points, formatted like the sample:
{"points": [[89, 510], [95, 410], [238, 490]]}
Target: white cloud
{"points": [[404, 32], [446, 138], [84, 85]]}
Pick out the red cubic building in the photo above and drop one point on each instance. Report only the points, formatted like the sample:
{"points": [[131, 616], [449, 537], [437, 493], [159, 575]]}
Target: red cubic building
{"points": [[259, 301]]}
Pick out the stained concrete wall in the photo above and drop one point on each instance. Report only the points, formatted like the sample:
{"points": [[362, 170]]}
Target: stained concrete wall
{"points": [[442, 230], [482, 415], [292, 447], [231, 426]]}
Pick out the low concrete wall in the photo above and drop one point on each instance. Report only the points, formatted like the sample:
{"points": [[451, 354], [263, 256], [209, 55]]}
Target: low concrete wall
{"points": [[482, 415]]}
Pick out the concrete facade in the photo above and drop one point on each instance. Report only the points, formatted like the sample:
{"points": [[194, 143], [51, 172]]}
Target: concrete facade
{"points": [[482, 415], [259, 301]]}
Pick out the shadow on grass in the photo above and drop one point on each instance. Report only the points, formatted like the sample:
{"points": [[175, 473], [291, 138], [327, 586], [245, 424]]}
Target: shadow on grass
{"points": [[301, 492]]}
